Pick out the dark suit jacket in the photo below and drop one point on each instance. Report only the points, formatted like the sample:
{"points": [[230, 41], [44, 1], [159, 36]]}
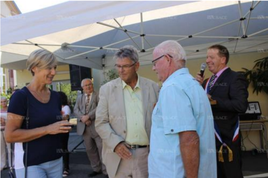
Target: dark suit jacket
{"points": [[230, 92]]}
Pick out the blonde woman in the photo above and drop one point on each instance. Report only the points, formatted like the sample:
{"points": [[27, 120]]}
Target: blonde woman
{"points": [[42, 130]]}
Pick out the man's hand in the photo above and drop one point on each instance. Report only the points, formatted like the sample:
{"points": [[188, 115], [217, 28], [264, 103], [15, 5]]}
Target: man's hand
{"points": [[212, 102], [209, 97], [88, 122], [84, 118], [3, 122], [199, 78], [122, 151]]}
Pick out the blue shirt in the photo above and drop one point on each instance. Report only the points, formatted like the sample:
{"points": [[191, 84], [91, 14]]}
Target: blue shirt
{"points": [[43, 149], [182, 106]]}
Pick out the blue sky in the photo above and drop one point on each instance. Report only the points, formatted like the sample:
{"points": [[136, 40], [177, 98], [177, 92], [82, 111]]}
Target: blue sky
{"points": [[32, 5]]}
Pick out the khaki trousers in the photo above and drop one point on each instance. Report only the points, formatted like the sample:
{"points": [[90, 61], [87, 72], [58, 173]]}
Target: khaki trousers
{"points": [[94, 149], [136, 167]]}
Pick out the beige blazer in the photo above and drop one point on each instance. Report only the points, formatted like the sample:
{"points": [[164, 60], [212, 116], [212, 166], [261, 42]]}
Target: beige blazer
{"points": [[80, 110], [111, 117]]}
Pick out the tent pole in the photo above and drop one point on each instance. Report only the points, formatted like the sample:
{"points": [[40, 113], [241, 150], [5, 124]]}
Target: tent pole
{"points": [[89, 47], [195, 35], [142, 34], [251, 9], [253, 46], [104, 47], [80, 46], [219, 37], [227, 23], [257, 32], [44, 49], [192, 36], [34, 44], [204, 48], [241, 18], [127, 33], [122, 29], [80, 54], [127, 39], [236, 43], [259, 18], [172, 36], [148, 42]]}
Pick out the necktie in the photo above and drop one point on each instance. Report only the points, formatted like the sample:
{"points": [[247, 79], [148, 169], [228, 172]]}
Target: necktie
{"points": [[211, 82], [87, 103]]}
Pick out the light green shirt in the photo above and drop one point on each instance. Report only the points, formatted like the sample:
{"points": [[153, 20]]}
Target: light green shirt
{"points": [[136, 133]]}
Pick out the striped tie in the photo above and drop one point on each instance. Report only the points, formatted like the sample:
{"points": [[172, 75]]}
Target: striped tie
{"points": [[87, 103], [211, 82]]}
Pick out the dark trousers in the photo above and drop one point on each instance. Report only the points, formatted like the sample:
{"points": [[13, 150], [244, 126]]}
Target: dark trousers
{"points": [[228, 169], [65, 138]]}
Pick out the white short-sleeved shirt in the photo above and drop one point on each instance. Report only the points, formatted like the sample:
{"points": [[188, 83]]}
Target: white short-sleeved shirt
{"points": [[66, 110], [182, 106]]}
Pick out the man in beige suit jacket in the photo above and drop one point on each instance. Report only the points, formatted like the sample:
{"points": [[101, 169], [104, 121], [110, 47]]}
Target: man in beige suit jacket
{"points": [[123, 118], [85, 113]]}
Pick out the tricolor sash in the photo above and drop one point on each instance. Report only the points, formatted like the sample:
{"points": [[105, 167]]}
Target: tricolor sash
{"points": [[218, 135]]}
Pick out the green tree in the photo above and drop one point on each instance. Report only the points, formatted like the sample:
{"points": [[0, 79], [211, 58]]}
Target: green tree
{"points": [[66, 88], [110, 75]]}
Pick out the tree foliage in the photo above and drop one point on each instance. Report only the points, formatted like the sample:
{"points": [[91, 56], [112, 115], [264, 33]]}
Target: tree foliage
{"points": [[110, 75], [258, 75], [71, 95]]}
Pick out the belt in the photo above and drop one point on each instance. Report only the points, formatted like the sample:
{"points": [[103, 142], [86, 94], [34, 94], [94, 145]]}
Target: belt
{"points": [[137, 146]]}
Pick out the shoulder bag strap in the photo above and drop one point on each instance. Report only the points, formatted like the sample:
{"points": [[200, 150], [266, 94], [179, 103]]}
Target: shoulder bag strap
{"points": [[26, 146]]}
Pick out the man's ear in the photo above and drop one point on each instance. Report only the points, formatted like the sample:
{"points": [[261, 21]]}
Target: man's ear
{"points": [[137, 66], [223, 60], [169, 59]]}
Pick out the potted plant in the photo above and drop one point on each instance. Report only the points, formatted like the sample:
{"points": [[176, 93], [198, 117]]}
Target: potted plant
{"points": [[258, 75]]}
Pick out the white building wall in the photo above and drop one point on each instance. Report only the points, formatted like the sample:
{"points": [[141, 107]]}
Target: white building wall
{"points": [[6, 11]]}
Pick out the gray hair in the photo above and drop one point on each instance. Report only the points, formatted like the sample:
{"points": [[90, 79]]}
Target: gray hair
{"points": [[172, 48], [127, 52], [42, 59], [85, 80]]}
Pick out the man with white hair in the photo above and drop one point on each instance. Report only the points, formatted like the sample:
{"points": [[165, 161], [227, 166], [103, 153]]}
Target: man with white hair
{"points": [[85, 109], [182, 135]]}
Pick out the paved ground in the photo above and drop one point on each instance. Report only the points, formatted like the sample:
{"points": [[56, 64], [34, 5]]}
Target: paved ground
{"points": [[79, 163], [253, 164]]}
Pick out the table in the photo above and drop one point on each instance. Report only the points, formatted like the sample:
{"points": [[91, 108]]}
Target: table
{"points": [[257, 125]]}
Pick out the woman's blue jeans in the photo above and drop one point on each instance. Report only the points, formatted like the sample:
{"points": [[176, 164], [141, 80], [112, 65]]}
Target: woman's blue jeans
{"points": [[51, 169]]}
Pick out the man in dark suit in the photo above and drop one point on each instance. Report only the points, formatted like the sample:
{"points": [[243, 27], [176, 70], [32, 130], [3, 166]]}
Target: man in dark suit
{"points": [[227, 92], [85, 109]]}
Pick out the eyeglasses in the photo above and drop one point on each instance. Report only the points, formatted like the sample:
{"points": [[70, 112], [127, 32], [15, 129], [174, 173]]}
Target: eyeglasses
{"points": [[87, 85], [123, 67], [154, 61]]}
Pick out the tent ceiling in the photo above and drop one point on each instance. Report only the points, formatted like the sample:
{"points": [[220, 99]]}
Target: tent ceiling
{"points": [[196, 25]]}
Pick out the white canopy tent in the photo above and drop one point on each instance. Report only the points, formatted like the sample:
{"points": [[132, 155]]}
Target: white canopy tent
{"points": [[88, 33]]}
